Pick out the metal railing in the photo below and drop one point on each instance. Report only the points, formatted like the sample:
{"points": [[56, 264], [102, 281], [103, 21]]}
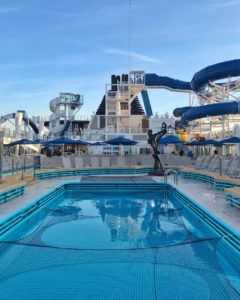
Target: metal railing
{"points": [[220, 166], [168, 172]]}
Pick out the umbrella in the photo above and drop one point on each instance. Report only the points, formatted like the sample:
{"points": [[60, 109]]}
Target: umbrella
{"points": [[80, 142], [121, 141], [232, 140], [22, 142], [98, 144], [171, 139], [65, 141], [40, 141], [208, 142], [192, 143]]}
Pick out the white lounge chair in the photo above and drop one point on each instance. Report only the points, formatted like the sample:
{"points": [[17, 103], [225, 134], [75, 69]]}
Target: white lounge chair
{"points": [[179, 160], [146, 160], [94, 162], [199, 162], [233, 168], [206, 162], [133, 161], [67, 162], [78, 162], [56, 162], [214, 164], [87, 160], [105, 162], [225, 164], [121, 161]]}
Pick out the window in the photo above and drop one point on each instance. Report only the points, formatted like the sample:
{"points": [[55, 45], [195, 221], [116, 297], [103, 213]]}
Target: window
{"points": [[137, 77], [124, 105]]}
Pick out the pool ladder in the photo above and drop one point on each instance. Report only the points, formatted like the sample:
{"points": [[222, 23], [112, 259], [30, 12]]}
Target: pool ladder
{"points": [[175, 179], [168, 172]]}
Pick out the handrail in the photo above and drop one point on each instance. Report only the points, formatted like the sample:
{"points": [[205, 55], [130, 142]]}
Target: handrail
{"points": [[220, 166], [168, 172]]}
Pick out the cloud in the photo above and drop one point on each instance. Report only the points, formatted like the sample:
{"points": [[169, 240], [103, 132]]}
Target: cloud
{"points": [[34, 93], [7, 9], [225, 3], [134, 55], [58, 61]]}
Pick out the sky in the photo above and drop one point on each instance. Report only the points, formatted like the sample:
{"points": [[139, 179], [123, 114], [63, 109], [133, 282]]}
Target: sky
{"points": [[52, 46]]}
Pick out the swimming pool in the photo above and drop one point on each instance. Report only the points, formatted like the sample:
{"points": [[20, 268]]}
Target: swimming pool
{"points": [[117, 241]]}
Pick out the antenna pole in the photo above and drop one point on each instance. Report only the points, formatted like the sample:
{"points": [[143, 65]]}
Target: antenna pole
{"points": [[129, 35], [129, 64]]}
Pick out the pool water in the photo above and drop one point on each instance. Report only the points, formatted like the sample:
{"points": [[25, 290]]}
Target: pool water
{"points": [[114, 244]]}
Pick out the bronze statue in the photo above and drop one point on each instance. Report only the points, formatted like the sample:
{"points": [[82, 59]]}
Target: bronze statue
{"points": [[153, 139]]}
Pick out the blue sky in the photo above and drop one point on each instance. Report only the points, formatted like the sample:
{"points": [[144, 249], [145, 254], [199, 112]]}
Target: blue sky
{"points": [[48, 46]]}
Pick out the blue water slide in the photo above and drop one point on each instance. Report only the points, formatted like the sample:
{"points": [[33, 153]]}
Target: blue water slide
{"points": [[179, 111], [29, 121], [32, 125], [198, 112], [147, 103], [66, 127], [218, 71], [26, 120], [153, 80], [200, 80]]}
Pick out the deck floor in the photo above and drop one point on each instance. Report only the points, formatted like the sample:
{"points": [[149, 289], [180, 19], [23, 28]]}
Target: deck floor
{"points": [[210, 198], [32, 192]]}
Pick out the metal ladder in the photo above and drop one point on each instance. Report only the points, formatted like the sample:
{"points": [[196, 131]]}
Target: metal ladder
{"points": [[168, 172], [220, 166]]}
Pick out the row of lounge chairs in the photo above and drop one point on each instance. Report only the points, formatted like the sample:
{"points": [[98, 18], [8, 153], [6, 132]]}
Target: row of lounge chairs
{"points": [[230, 165], [78, 162]]}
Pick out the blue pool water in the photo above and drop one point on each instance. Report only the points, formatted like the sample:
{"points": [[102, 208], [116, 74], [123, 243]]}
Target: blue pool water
{"points": [[115, 244]]}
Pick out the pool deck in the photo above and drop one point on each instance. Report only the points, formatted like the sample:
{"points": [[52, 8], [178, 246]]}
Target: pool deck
{"points": [[32, 192], [11, 181], [210, 198], [204, 193]]}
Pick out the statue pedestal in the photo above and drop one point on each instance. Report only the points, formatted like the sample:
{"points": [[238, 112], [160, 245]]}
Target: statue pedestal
{"points": [[156, 173]]}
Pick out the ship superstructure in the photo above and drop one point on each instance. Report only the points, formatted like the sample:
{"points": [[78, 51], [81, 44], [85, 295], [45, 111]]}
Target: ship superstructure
{"points": [[120, 111]]}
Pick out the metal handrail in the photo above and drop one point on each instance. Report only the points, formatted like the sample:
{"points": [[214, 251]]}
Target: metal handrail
{"points": [[220, 166], [168, 172]]}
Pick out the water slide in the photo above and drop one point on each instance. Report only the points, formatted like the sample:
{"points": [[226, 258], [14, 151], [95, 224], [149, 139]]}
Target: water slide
{"points": [[215, 72], [72, 103], [153, 80], [66, 127], [26, 120], [198, 112], [29, 122], [200, 80], [146, 102]]}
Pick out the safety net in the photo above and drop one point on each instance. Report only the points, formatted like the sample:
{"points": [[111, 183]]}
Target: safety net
{"points": [[166, 261]]}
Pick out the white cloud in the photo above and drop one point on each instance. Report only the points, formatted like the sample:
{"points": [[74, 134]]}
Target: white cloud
{"points": [[58, 61], [225, 3], [34, 93], [7, 9], [134, 55]]}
